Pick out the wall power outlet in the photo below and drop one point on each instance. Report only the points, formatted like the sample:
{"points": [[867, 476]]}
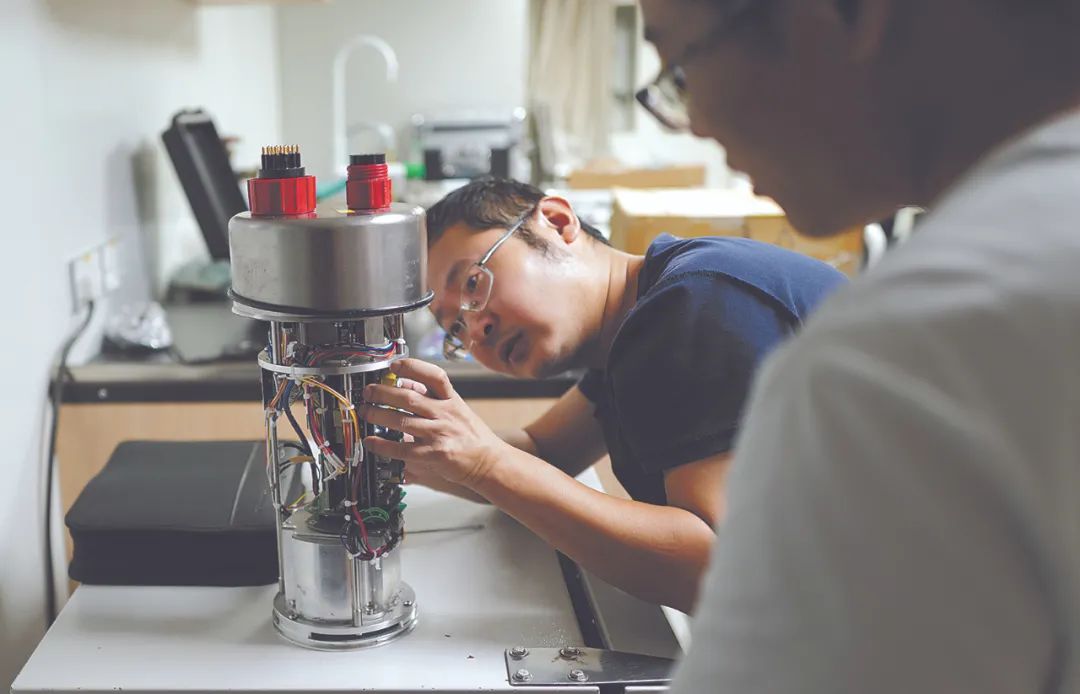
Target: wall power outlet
{"points": [[94, 273]]}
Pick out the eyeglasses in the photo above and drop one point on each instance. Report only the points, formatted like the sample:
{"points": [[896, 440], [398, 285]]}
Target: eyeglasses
{"points": [[666, 97], [475, 293]]}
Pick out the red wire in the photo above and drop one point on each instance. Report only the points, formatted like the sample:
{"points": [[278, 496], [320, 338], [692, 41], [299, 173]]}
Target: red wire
{"points": [[327, 353], [363, 531]]}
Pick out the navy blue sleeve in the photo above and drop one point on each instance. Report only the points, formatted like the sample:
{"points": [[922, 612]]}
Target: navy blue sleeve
{"points": [[591, 385], [684, 365]]}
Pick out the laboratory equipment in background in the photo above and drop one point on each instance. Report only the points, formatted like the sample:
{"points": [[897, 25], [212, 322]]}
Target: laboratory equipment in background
{"points": [[335, 285], [450, 150], [196, 300], [469, 145], [202, 164]]}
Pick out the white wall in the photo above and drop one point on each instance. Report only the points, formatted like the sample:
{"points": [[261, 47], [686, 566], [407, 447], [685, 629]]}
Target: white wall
{"points": [[87, 89], [648, 144], [453, 54]]}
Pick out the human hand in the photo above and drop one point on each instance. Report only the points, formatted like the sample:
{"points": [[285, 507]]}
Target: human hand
{"points": [[449, 440]]}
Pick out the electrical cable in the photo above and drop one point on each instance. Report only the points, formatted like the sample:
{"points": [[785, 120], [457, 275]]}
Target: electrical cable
{"points": [[358, 543], [347, 406], [285, 405], [295, 446], [60, 378], [320, 441]]}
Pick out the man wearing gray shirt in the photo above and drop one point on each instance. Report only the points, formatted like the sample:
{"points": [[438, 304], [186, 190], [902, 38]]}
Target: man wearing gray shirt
{"points": [[904, 505]]}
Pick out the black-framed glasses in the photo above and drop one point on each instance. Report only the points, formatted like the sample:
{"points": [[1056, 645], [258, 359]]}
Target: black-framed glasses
{"points": [[475, 293], [666, 97]]}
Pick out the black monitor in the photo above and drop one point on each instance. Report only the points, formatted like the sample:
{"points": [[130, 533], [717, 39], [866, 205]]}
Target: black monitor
{"points": [[202, 165]]}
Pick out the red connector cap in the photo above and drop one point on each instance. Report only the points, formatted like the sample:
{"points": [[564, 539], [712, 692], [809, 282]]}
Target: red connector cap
{"points": [[368, 188], [281, 188]]}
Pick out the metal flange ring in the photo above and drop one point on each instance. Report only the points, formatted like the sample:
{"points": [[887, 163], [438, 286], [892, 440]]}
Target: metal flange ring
{"points": [[265, 363]]}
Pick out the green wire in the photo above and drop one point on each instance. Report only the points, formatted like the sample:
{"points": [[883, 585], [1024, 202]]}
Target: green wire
{"points": [[376, 512]]}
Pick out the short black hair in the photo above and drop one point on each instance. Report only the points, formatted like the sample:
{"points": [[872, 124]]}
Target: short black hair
{"points": [[490, 202]]}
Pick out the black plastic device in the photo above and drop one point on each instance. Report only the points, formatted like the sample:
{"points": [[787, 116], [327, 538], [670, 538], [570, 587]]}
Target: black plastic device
{"points": [[202, 165], [177, 513]]}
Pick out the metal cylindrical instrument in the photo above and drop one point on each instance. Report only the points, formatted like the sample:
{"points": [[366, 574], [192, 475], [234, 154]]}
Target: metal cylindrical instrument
{"points": [[334, 286]]}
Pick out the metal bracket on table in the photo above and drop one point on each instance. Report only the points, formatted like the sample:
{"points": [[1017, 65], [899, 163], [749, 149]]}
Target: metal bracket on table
{"points": [[571, 665]]}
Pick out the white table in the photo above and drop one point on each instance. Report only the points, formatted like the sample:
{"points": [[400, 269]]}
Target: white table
{"points": [[479, 592]]}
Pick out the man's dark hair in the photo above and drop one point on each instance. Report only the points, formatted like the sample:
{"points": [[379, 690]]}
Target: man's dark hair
{"points": [[492, 202]]}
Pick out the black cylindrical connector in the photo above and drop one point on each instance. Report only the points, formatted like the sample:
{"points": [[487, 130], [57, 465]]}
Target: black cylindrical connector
{"points": [[366, 159], [281, 162]]}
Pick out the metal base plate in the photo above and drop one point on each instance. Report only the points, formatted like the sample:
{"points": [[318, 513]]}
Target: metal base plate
{"points": [[580, 666], [329, 636]]}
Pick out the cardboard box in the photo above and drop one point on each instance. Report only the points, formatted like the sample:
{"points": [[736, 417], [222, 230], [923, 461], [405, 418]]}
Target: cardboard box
{"points": [[639, 216], [610, 175]]}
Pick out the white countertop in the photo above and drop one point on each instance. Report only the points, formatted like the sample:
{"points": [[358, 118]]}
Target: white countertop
{"points": [[478, 592]]}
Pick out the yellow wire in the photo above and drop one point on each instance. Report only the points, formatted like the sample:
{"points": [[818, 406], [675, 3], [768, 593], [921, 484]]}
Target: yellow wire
{"points": [[340, 398], [280, 390], [294, 504]]}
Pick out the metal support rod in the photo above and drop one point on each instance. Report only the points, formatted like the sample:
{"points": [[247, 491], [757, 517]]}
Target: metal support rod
{"points": [[275, 490], [355, 571], [276, 348], [363, 588]]}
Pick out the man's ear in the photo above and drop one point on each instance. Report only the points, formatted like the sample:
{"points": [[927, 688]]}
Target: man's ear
{"points": [[559, 216]]}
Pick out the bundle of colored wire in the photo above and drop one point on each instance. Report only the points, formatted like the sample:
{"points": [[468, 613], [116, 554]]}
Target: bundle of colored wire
{"points": [[287, 407], [320, 442], [349, 351], [277, 397], [358, 544], [364, 540], [316, 469], [346, 405]]}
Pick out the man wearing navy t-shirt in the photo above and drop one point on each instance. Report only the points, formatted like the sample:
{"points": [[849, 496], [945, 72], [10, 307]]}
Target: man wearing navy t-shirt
{"points": [[671, 341]]}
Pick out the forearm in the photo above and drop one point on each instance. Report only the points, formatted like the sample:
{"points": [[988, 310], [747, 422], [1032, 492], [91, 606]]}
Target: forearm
{"points": [[441, 485], [518, 438], [521, 440], [658, 553]]}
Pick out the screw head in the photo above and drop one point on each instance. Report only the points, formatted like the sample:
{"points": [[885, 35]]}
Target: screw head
{"points": [[522, 675], [569, 652], [518, 652], [408, 603], [578, 675]]}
